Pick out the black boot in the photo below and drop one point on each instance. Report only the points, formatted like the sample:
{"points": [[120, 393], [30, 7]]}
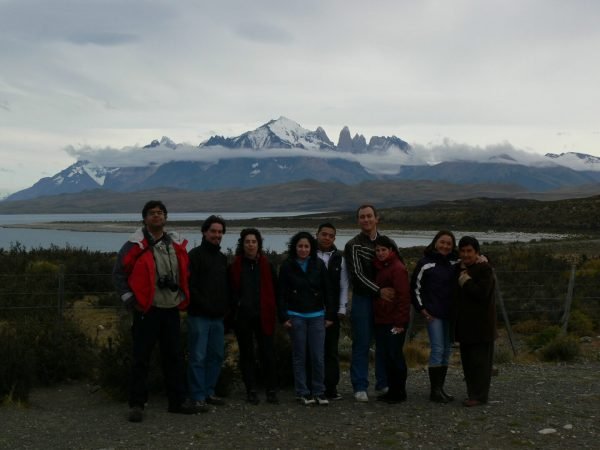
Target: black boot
{"points": [[435, 379], [444, 371]]}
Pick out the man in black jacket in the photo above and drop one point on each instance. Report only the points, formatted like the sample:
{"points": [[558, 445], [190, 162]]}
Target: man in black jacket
{"points": [[209, 302]]}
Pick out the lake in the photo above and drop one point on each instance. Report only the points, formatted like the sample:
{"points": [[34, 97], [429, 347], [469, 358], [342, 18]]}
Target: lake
{"points": [[274, 239]]}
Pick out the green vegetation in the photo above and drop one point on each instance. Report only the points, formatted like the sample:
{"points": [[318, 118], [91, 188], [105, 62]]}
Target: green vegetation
{"points": [[44, 341]]}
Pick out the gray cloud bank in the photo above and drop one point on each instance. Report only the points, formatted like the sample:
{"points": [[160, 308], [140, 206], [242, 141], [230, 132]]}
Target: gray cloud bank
{"points": [[388, 162]]}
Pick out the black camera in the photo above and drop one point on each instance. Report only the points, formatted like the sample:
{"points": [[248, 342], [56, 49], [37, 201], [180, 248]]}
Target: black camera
{"points": [[166, 282]]}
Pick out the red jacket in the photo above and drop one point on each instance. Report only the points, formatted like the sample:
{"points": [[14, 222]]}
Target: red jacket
{"points": [[392, 273], [135, 270]]}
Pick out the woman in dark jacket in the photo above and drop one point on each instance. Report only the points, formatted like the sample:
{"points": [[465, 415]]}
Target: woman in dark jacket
{"points": [[432, 287], [253, 288], [391, 316], [306, 308]]}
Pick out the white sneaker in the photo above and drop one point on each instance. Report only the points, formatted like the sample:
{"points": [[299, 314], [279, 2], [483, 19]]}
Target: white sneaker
{"points": [[382, 390], [361, 396]]}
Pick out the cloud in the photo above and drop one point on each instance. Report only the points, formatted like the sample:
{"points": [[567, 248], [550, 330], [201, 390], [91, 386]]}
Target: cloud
{"points": [[102, 38], [388, 162], [264, 33], [4, 105]]}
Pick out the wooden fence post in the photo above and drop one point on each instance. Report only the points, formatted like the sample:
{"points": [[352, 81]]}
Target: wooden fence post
{"points": [[567, 313], [500, 301], [61, 291]]}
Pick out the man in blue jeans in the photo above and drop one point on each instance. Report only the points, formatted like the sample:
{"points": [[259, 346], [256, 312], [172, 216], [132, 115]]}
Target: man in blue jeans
{"points": [[359, 253], [209, 302]]}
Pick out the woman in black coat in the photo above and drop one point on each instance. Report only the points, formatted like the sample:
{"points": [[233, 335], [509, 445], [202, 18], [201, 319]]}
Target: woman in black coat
{"points": [[306, 307]]}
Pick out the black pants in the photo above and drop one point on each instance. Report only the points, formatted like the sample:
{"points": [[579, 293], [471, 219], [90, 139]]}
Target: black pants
{"points": [[160, 325], [477, 360], [332, 357], [395, 365], [246, 332]]}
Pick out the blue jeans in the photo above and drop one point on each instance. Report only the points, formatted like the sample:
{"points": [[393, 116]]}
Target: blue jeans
{"points": [[308, 334], [361, 317], [439, 341], [206, 348]]}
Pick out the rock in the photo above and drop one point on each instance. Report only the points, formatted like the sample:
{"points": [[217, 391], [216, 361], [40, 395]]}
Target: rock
{"points": [[568, 426], [585, 339], [547, 431]]}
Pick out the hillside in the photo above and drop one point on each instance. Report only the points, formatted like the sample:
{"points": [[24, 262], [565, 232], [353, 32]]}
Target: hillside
{"points": [[306, 195]]}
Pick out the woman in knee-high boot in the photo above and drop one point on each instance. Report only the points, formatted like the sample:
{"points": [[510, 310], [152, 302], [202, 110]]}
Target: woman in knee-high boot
{"points": [[432, 287]]}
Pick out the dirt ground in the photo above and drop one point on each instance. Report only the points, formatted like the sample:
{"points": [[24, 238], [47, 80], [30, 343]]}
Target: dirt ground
{"points": [[526, 399]]}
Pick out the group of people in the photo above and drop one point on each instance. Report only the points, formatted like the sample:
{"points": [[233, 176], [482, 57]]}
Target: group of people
{"points": [[156, 279]]}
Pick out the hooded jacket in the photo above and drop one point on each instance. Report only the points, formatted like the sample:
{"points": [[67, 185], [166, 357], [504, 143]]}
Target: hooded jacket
{"points": [[392, 273]]}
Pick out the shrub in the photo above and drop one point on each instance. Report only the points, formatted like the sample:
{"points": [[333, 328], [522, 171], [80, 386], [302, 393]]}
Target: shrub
{"points": [[580, 324], [416, 353], [530, 326], [562, 348], [17, 368], [543, 337]]}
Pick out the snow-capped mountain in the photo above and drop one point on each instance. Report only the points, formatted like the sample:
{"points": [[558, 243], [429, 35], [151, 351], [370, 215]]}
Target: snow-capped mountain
{"points": [[280, 133], [281, 151], [165, 142]]}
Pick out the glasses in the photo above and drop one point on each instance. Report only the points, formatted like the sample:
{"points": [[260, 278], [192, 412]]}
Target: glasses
{"points": [[155, 213]]}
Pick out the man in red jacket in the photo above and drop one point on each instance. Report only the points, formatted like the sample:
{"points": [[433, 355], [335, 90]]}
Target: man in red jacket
{"points": [[151, 276]]}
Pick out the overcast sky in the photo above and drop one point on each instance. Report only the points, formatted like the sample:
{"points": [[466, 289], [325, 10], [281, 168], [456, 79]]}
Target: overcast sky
{"points": [[117, 73]]}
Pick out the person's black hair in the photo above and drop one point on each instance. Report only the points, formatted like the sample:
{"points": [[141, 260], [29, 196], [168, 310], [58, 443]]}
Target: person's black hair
{"points": [[213, 219], [387, 242], [431, 246], [375, 213], [245, 232], [292, 254], [465, 241], [326, 225], [154, 204]]}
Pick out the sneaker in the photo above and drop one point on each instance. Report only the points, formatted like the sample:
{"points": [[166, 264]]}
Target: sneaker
{"points": [[252, 398], [214, 400], [334, 395], [361, 396], [383, 390], [136, 414], [272, 398], [305, 400], [321, 400]]}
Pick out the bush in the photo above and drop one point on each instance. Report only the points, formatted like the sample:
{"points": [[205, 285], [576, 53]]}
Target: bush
{"points": [[41, 352], [563, 348], [416, 354], [530, 326], [580, 324], [17, 368], [543, 337]]}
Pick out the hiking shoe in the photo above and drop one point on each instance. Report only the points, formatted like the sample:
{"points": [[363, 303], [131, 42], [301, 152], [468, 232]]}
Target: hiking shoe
{"points": [[272, 398], [321, 400], [334, 395], [214, 400], [136, 414], [305, 400], [252, 398], [361, 396]]}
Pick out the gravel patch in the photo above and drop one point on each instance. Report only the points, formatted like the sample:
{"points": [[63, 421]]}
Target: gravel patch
{"points": [[532, 406]]}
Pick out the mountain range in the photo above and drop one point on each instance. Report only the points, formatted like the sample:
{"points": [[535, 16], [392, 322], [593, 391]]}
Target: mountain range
{"points": [[281, 151]]}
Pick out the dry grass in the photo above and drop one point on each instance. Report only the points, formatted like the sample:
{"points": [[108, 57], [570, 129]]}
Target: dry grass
{"points": [[97, 323]]}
